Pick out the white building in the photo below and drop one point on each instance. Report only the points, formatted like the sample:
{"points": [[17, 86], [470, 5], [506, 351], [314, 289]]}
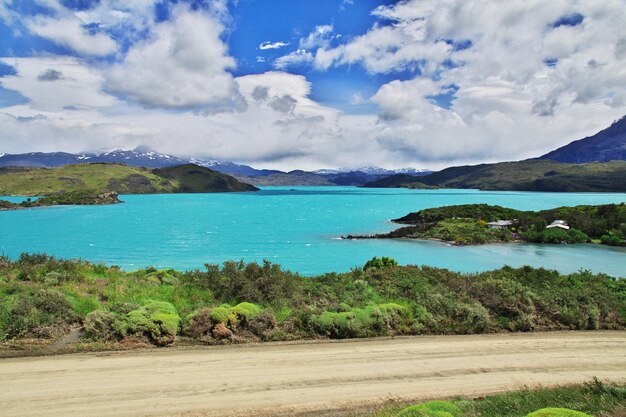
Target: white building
{"points": [[500, 224], [558, 223]]}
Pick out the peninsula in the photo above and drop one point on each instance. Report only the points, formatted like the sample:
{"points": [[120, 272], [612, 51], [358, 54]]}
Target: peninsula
{"points": [[472, 224]]}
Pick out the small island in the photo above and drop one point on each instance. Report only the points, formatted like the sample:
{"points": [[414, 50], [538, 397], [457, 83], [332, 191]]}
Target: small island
{"points": [[475, 224], [72, 198]]}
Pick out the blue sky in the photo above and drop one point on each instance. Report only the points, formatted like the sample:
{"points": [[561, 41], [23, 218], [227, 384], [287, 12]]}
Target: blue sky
{"points": [[299, 84]]}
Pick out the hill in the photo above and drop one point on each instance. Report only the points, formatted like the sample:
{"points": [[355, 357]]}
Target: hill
{"points": [[606, 145], [118, 178], [531, 175], [393, 181]]}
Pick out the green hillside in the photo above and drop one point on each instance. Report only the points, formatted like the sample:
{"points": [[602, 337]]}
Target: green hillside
{"points": [[532, 175], [467, 224], [117, 178]]}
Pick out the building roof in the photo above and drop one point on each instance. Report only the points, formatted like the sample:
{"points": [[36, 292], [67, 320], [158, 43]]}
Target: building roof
{"points": [[501, 223], [561, 224]]}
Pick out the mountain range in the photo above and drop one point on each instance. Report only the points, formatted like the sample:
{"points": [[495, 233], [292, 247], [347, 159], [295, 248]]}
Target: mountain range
{"points": [[555, 174], [150, 159]]}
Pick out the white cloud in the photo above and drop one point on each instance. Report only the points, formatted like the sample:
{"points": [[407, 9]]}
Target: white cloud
{"points": [[297, 57], [68, 31], [320, 37], [272, 45], [183, 64], [357, 99], [76, 84]]}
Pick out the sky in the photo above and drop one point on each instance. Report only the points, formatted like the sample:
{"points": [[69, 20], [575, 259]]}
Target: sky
{"points": [[298, 84]]}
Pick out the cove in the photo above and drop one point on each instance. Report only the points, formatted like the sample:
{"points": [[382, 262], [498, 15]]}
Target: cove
{"points": [[297, 227]]}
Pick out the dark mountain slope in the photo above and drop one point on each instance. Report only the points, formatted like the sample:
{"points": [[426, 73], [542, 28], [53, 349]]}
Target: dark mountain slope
{"points": [[606, 145]]}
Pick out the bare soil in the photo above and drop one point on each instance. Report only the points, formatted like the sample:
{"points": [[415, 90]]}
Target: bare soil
{"points": [[302, 378]]}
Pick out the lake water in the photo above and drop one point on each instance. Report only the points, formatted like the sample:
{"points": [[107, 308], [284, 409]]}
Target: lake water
{"points": [[298, 227]]}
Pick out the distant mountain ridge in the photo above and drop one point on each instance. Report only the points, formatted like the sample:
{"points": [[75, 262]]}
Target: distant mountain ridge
{"points": [[148, 158], [607, 145], [135, 157], [530, 175]]}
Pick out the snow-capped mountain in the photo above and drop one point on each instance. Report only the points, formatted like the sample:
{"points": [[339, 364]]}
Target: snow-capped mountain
{"points": [[374, 171], [136, 157], [148, 158]]}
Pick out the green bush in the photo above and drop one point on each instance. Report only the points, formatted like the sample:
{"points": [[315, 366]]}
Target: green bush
{"points": [[612, 240], [220, 314], [557, 412], [246, 311], [432, 409], [158, 320], [380, 263]]}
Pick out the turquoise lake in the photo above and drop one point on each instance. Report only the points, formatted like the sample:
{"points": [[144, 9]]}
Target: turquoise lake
{"points": [[298, 227]]}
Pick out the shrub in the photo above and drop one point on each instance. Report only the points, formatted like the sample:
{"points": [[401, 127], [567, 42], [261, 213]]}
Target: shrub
{"points": [[237, 281], [156, 319], [432, 409], [380, 263], [261, 323], [43, 308], [611, 240], [246, 311], [101, 325], [199, 323], [220, 314], [557, 412]]}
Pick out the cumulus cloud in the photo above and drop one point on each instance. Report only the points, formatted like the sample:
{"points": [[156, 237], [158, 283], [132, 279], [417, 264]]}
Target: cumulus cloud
{"points": [[182, 64], [272, 45], [75, 83], [519, 85], [69, 31]]}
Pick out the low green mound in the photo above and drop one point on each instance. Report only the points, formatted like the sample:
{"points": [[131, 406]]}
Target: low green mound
{"points": [[557, 412], [432, 409]]}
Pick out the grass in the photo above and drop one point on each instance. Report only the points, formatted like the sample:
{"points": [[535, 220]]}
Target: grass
{"points": [[594, 398]]}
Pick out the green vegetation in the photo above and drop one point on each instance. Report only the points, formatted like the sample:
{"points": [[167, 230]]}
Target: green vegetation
{"points": [[67, 198], [557, 412], [431, 409], [99, 178], [380, 263], [468, 224], [42, 297], [530, 175], [594, 398]]}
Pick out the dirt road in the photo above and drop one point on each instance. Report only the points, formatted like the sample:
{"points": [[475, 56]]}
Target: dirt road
{"points": [[289, 379]]}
